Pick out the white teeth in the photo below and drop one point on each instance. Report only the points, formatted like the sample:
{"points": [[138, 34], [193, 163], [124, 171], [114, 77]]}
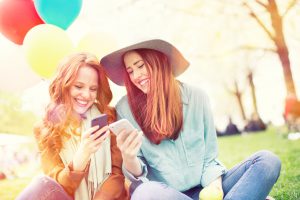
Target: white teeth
{"points": [[143, 82], [82, 102]]}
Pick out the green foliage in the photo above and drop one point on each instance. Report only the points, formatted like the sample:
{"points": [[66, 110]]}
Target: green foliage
{"points": [[13, 118]]}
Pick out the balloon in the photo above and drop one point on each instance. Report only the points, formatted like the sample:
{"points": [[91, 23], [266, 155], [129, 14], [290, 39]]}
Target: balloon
{"points": [[97, 43], [17, 17], [61, 13], [45, 45]]}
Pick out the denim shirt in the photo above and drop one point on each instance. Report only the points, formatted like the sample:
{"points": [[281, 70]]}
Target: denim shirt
{"points": [[191, 159]]}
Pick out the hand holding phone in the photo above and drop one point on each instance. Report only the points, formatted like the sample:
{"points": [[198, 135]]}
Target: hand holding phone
{"points": [[122, 124], [99, 121]]}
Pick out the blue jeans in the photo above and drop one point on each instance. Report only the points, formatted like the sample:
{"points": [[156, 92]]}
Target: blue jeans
{"points": [[252, 179], [44, 188]]}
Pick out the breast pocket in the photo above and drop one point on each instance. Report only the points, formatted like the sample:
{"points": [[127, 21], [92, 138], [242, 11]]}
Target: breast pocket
{"points": [[193, 143]]}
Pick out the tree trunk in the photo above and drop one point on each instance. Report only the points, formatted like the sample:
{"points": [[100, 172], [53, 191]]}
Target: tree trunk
{"points": [[253, 94], [238, 95], [281, 47]]}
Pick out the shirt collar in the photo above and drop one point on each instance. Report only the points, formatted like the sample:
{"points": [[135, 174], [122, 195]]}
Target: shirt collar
{"points": [[184, 95]]}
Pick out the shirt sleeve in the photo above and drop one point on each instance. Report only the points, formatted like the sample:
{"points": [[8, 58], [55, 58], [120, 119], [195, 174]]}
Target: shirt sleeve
{"points": [[130, 176], [142, 177], [212, 167]]}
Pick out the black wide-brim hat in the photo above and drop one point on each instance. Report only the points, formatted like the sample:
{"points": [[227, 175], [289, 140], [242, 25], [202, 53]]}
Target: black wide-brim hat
{"points": [[114, 65]]}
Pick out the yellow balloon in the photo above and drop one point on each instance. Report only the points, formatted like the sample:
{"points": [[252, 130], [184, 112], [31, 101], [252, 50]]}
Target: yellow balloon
{"points": [[45, 45], [97, 43]]}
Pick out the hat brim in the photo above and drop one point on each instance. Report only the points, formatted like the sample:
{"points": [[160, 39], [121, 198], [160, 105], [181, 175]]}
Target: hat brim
{"points": [[114, 65]]}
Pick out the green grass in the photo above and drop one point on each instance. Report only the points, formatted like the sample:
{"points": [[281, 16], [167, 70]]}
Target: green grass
{"points": [[233, 150]]}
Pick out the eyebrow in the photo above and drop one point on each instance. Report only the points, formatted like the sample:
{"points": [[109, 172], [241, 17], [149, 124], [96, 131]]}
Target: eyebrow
{"points": [[134, 63]]}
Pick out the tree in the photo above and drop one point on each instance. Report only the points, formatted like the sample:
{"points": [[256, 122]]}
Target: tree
{"points": [[237, 92], [13, 118], [277, 36]]}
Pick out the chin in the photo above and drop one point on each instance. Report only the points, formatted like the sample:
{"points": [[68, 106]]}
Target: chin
{"points": [[80, 111]]}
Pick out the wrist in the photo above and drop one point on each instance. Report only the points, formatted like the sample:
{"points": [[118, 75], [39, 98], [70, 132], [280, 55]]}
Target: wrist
{"points": [[80, 160]]}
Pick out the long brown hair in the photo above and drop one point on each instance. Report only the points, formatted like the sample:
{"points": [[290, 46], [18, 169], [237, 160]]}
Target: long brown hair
{"points": [[60, 119], [159, 112]]}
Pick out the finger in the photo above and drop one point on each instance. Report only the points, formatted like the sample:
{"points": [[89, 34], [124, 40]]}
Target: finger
{"points": [[99, 140], [99, 132], [121, 137], [123, 134], [90, 131], [135, 141], [130, 138], [137, 147], [98, 143]]}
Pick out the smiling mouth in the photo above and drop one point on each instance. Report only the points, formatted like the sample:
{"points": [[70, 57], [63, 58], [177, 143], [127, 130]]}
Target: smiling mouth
{"points": [[144, 82], [81, 102]]}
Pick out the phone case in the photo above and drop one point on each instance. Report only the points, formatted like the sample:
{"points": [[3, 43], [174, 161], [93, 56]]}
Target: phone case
{"points": [[117, 126], [99, 121]]}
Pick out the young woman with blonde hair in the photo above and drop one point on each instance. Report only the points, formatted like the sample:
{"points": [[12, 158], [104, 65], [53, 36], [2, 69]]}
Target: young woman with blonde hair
{"points": [[80, 161], [173, 153]]}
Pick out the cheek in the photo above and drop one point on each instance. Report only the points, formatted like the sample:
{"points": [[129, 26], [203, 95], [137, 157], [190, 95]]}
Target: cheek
{"points": [[94, 95], [145, 72], [131, 77], [72, 92]]}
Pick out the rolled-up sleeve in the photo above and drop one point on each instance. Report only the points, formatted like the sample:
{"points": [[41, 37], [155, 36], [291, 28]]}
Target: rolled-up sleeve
{"points": [[142, 177], [212, 167]]}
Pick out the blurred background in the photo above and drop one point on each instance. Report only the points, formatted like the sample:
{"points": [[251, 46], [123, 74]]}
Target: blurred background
{"points": [[244, 54]]}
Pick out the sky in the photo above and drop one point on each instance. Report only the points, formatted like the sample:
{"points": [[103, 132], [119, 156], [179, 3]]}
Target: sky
{"points": [[206, 32]]}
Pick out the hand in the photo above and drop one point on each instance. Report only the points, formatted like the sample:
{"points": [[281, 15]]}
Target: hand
{"points": [[129, 144], [90, 143]]}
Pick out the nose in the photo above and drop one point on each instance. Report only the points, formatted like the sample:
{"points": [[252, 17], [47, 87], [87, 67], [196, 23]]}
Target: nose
{"points": [[136, 74], [86, 93]]}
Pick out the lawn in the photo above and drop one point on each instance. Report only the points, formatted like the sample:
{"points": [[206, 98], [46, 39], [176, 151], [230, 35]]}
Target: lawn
{"points": [[233, 149]]}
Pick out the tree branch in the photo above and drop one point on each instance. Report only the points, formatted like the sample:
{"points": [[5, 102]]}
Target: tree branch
{"points": [[261, 3], [245, 47], [291, 5], [252, 14]]}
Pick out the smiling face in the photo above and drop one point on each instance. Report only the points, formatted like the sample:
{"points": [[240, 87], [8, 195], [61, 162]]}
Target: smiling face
{"points": [[83, 90], [137, 71]]}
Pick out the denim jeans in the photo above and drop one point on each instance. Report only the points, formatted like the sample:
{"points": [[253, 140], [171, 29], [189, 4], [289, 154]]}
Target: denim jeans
{"points": [[43, 188], [252, 179]]}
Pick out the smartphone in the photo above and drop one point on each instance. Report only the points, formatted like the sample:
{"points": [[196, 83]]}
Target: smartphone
{"points": [[99, 121], [118, 126]]}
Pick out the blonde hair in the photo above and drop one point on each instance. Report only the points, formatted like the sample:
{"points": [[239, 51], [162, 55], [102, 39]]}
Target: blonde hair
{"points": [[60, 119], [159, 112]]}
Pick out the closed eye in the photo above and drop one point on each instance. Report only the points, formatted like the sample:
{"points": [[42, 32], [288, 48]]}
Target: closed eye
{"points": [[93, 89], [140, 66]]}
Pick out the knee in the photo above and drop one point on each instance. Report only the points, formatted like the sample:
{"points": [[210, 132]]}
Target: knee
{"points": [[43, 187], [43, 181], [272, 164], [146, 190]]}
